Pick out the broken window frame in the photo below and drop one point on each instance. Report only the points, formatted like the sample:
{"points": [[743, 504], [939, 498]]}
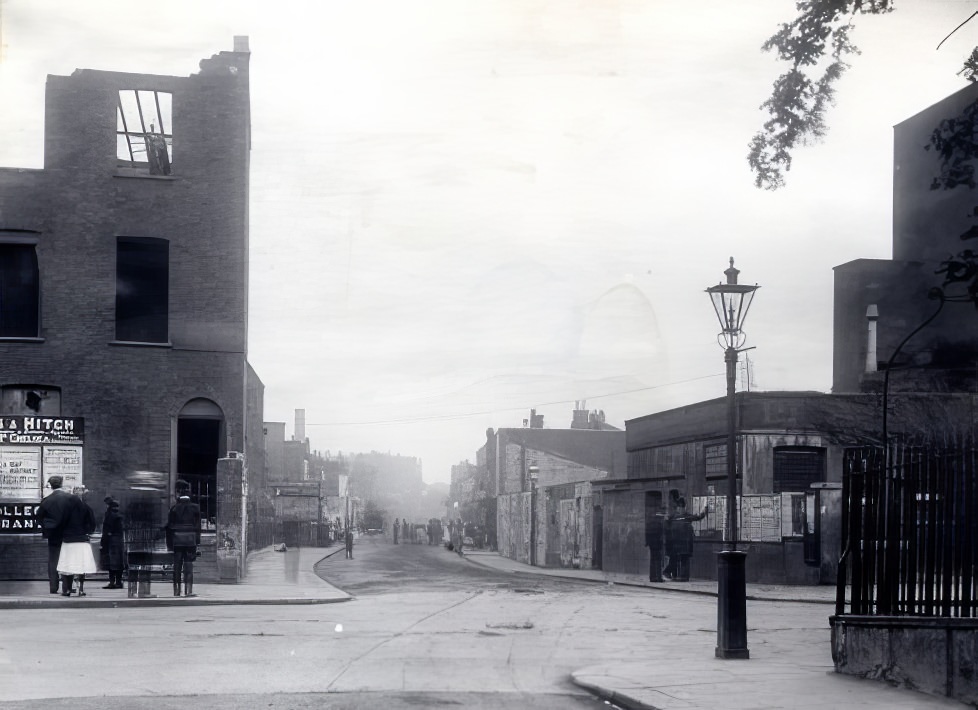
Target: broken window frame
{"points": [[139, 145]]}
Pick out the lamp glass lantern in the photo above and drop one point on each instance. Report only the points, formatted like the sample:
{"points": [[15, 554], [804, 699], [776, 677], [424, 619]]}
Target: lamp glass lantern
{"points": [[731, 301]]}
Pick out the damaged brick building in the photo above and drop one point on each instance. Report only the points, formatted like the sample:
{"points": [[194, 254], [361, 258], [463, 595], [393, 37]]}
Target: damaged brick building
{"points": [[124, 282]]}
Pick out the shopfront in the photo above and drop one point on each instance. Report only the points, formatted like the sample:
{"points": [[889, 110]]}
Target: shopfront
{"points": [[33, 448]]}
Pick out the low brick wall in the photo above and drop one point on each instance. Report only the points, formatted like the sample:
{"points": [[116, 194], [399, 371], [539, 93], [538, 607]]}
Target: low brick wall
{"points": [[933, 655]]}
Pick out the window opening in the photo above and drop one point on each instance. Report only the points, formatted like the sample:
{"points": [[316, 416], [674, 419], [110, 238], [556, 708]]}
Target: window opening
{"points": [[797, 467], [142, 290], [144, 131], [19, 291]]}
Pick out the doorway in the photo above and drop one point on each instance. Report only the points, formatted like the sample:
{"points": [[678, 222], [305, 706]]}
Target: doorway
{"points": [[200, 431]]}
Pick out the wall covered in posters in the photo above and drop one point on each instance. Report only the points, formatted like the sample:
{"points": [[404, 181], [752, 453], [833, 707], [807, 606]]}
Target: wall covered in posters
{"points": [[32, 448]]}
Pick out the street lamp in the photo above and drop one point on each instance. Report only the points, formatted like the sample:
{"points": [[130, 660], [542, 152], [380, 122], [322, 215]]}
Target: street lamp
{"points": [[731, 301]]}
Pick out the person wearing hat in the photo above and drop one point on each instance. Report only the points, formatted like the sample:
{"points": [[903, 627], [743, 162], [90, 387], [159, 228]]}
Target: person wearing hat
{"points": [[183, 537], [50, 518], [112, 549]]}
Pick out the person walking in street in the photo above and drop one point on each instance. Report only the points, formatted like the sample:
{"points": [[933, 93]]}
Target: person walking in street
{"points": [[396, 528], [112, 548], [183, 537], [349, 543], [50, 518], [76, 558]]}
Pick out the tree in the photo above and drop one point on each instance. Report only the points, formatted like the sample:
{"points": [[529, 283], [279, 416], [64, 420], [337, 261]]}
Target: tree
{"points": [[815, 44]]}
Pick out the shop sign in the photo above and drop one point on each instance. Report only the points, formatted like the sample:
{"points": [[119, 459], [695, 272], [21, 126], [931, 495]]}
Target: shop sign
{"points": [[24, 429], [18, 518]]}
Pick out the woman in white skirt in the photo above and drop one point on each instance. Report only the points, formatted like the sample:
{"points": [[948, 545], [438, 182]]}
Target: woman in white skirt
{"points": [[76, 558]]}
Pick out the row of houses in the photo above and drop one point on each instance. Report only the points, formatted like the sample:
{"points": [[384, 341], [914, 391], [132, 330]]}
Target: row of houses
{"points": [[580, 496]]}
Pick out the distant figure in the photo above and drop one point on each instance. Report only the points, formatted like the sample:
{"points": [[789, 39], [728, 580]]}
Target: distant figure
{"points": [[396, 528], [183, 537], [76, 558], [459, 537], [655, 525], [50, 517], [349, 543], [112, 547], [682, 530]]}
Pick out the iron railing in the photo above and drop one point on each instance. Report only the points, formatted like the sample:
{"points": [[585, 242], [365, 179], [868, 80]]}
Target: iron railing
{"points": [[909, 522]]}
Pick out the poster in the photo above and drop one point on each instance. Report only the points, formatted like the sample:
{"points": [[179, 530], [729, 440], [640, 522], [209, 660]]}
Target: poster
{"points": [[20, 473], [64, 461]]}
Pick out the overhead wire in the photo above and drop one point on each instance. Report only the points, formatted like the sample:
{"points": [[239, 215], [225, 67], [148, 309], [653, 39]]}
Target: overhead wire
{"points": [[449, 417]]}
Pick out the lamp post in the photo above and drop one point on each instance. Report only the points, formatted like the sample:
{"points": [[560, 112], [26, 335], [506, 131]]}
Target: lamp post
{"points": [[731, 301]]}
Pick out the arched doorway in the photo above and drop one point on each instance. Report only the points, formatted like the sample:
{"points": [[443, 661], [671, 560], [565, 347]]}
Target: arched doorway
{"points": [[200, 432]]}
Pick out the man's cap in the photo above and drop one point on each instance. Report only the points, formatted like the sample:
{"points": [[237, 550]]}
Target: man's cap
{"points": [[56, 481]]}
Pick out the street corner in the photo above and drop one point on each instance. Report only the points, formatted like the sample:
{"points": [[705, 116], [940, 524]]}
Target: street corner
{"points": [[628, 685]]}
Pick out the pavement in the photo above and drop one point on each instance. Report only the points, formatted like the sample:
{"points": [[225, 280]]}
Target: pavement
{"points": [[271, 578], [762, 682]]}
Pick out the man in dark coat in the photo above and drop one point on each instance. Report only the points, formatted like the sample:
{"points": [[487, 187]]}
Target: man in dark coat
{"points": [[655, 522], [682, 527], [112, 548], [50, 517], [349, 542], [183, 537]]}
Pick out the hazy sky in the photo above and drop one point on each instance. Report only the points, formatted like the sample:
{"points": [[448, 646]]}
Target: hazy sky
{"points": [[464, 210]]}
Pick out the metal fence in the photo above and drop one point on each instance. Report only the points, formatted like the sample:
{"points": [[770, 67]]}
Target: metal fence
{"points": [[909, 531]]}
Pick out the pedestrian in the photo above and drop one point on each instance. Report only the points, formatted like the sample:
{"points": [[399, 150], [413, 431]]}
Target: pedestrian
{"points": [[655, 523], [459, 536], [112, 548], [349, 543], [671, 533], [76, 558], [183, 537], [396, 528], [682, 526], [50, 517]]}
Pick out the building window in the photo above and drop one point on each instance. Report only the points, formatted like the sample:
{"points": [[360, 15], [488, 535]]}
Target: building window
{"points": [[715, 458], [142, 290], [144, 131], [20, 291], [30, 399], [796, 468]]}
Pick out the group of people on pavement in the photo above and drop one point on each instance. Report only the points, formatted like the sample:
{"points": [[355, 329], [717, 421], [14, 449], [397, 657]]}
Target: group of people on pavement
{"points": [[67, 523], [669, 535]]}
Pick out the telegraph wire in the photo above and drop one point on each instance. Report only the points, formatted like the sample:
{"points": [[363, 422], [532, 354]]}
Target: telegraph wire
{"points": [[449, 417]]}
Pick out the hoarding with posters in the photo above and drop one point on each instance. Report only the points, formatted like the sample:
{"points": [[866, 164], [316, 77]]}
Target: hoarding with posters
{"points": [[33, 448]]}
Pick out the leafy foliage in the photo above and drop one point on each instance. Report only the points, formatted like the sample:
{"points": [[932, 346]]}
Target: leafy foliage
{"points": [[815, 43]]}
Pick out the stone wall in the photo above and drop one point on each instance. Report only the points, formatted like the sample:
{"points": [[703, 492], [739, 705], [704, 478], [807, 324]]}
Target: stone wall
{"points": [[933, 655]]}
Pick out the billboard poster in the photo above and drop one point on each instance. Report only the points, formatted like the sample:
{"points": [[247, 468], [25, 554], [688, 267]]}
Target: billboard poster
{"points": [[20, 473], [65, 461]]}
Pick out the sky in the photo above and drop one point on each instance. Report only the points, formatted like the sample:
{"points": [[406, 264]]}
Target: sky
{"points": [[462, 211]]}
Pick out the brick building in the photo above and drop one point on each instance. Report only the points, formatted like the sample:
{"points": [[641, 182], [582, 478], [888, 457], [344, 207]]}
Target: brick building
{"points": [[124, 282], [541, 481]]}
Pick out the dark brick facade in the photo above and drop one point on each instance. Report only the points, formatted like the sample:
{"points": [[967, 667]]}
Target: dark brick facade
{"points": [[75, 210]]}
